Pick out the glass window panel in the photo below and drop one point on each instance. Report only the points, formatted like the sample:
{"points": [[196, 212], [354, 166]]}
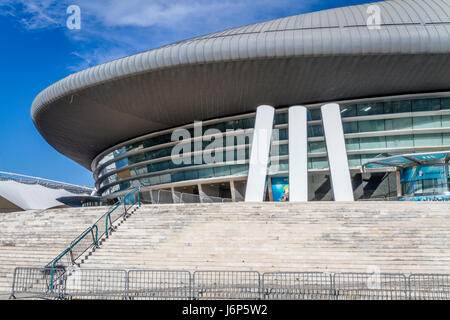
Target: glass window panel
{"points": [[397, 106], [348, 111], [283, 149], [315, 131], [370, 109], [372, 143], [283, 134], [354, 161], [155, 180], [248, 123], [372, 125], [400, 141], [178, 176], [281, 118], [320, 163], [315, 114], [427, 122], [369, 157], [445, 103], [205, 173], [427, 140], [222, 171], [352, 144], [165, 178], [191, 174], [317, 146], [240, 169], [284, 165], [350, 127], [445, 121], [446, 139], [426, 105], [398, 124]]}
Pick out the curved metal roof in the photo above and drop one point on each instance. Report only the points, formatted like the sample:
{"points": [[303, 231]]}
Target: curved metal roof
{"points": [[314, 57]]}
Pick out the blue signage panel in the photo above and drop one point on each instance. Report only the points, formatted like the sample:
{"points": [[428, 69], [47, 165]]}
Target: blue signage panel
{"points": [[422, 173], [427, 198], [280, 189]]}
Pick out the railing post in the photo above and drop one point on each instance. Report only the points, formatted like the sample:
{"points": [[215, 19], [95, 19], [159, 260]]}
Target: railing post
{"points": [[94, 238], [106, 225], [71, 256], [12, 296]]}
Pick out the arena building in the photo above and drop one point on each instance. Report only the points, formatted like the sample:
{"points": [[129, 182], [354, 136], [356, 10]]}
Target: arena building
{"points": [[391, 82]]}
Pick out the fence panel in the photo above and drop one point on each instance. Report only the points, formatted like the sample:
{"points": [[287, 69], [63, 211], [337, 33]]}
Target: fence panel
{"points": [[165, 196], [92, 284], [159, 285], [190, 198], [370, 286], [226, 285], [297, 286], [429, 286], [29, 281]]}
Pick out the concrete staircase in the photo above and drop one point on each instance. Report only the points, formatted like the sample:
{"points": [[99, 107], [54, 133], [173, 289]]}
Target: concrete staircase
{"points": [[405, 237], [34, 238]]}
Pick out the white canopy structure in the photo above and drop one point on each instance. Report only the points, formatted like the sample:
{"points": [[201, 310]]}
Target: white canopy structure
{"points": [[19, 192]]}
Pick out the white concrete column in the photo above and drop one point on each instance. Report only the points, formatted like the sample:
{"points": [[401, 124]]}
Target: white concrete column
{"points": [[298, 154], [200, 193], [398, 183], [337, 154], [233, 191], [259, 155], [269, 188]]}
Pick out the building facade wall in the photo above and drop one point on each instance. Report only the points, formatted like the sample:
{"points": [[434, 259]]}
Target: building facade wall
{"points": [[373, 128]]}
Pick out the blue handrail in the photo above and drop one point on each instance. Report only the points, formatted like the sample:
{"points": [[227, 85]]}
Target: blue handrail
{"points": [[124, 202], [71, 247], [90, 230]]}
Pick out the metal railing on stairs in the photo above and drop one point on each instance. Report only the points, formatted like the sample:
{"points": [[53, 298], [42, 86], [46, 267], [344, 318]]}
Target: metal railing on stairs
{"points": [[91, 236]]}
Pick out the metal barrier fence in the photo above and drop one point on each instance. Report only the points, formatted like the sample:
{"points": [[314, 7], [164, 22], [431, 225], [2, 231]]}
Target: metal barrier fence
{"points": [[370, 286], [226, 285], [91, 236], [105, 284], [167, 197], [429, 287], [36, 282], [81, 283], [297, 286], [159, 285]]}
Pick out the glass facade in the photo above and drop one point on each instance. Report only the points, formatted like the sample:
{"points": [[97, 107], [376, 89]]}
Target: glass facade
{"points": [[372, 129], [425, 180]]}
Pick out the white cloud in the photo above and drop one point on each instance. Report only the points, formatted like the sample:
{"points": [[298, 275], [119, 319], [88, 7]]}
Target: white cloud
{"points": [[115, 28], [34, 14]]}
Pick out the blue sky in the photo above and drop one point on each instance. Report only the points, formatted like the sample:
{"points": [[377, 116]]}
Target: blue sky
{"points": [[38, 50]]}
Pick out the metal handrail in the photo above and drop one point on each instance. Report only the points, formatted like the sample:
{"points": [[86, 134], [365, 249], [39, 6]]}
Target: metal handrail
{"points": [[124, 201], [69, 249], [90, 230]]}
